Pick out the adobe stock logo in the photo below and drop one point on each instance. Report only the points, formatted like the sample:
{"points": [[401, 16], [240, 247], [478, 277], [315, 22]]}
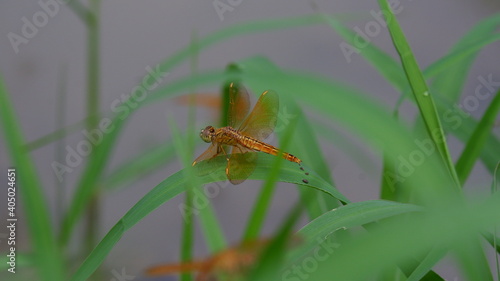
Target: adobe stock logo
{"points": [[370, 30], [302, 270], [222, 6], [39, 19], [122, 107]]}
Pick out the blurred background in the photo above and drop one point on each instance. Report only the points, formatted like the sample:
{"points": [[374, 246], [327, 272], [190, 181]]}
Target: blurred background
{"points": [[136, 35]]}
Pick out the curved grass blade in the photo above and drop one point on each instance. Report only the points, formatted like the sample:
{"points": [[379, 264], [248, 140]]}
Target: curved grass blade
{"points": [[261, 205], [449, 226], [472, 259], [208, 220], [173, 186], [139, 166], [317, 232], [305, 145], [494, 189], [450, 84], [464, 51], [87, 185], [477, 140], [46, 253], [420, 90], [424, 269]]}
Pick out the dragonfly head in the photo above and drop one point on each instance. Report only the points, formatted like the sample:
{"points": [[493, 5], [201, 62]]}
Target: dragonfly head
{"points": [[207, 134]]}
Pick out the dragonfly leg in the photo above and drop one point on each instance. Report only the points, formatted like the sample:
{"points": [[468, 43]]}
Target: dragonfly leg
{"points": [[221, 148]]}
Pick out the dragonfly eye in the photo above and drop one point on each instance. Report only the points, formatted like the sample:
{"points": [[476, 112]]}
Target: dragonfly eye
{"points": [[207, 134]]}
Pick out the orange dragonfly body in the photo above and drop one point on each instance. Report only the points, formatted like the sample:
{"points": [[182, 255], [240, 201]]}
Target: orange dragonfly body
{"points": [[234, 262], [244, 134]]}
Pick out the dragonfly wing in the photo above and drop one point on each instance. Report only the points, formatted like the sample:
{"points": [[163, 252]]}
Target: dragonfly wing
{"points": [[239, 105], [210, 153], [241, 164], [263, 118]]}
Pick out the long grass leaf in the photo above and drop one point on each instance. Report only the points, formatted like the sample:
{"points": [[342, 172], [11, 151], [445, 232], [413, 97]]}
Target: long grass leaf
{"points": [[449, 84], [348, 216], [477, 140], [424, 267], [176, 184], [261, 206], [98, 160], [46, 252], [449, 226], [420, 90]]}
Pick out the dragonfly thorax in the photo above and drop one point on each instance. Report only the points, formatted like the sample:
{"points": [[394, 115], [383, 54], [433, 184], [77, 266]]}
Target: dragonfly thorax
{"points": [[207, 134]]}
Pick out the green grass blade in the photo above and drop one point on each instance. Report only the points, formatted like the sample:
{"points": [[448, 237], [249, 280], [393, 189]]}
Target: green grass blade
{"points": [[472, 260], [458, 55], [450, 84], [210, 226], [424, 269], [490, 152], [477, 140], [419, 87], [464, 50], [261, 206], [305, 144], [348, 216], [138, 166], [98, 159], [448, 226], [187, 237], [87, 185], [46, 252], [173, 186], [56, 135], [379, 59], [389, 184], [271, 260], [494, 189]]}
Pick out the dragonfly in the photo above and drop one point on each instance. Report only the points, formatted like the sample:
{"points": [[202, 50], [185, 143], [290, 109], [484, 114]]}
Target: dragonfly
{"points": [[233, 262], [244, 135]]}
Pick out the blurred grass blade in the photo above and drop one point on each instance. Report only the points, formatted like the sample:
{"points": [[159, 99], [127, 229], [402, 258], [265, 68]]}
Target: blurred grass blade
{"points": [[272, 259], [424, 269], [173, 186], [449, 84], [389, 178], [449, 226], [305, 145], [318, 231], [57, 134], [46, 252], [379, 59], [472, 260], [477, 140], [464, 50], [139, 166], [87, 185], [98, 159], [420, 90], [263, 201], [213, 232], [187, 237], [458, 55], [494, 189]]}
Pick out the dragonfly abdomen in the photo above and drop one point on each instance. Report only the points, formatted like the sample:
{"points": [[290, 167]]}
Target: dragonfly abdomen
{"points": [[267, 148]]}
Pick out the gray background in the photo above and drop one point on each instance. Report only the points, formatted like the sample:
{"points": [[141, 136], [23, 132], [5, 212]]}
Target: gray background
{"points": [[136, 34]]}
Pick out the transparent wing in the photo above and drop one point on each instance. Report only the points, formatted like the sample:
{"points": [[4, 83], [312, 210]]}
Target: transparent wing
{"points": [[263, 118], [239, 105], [241, 164], [210, 153]]}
